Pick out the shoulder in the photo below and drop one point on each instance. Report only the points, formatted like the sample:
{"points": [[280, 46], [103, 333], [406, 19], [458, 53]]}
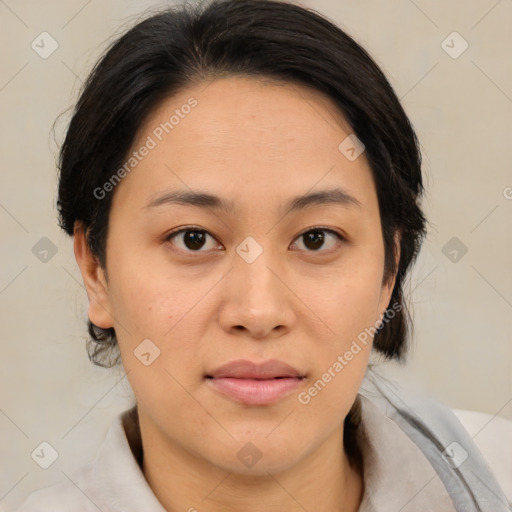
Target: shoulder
{"points": [[83, 489], [439, 438], [70, 495], [112, 481], [493, 437]]}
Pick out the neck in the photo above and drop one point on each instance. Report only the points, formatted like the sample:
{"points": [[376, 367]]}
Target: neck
{"points": [[324, 481]]}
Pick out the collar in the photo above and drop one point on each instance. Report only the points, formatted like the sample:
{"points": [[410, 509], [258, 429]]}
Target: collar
{"points": [[397, 475], [117, 474]]}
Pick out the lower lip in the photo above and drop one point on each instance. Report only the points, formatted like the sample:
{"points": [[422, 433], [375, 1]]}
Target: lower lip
{"points": [[255, 392]]}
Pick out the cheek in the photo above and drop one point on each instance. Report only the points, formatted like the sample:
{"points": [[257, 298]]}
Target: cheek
{"points": [[349, 312], [145, 302], [340, 356], [164, 310], [351, 302]]}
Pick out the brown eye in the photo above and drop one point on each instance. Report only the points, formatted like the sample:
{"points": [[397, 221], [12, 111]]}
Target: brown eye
{"points": [[190, 239], [317, 238]]}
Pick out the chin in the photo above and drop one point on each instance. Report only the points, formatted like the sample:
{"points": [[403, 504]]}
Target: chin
{"points": [[259, 455]]}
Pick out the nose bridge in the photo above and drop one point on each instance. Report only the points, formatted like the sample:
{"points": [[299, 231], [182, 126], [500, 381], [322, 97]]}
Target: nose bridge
{"points": [[256, 268], [257, 298]]}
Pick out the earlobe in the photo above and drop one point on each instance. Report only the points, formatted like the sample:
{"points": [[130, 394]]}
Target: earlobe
{"points": [[94, 280]]}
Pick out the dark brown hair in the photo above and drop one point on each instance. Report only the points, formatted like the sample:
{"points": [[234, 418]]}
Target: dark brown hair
{"points": [[181, 46]]}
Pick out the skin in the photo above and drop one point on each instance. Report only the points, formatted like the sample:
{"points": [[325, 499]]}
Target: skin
{"points": [[258, 143]]}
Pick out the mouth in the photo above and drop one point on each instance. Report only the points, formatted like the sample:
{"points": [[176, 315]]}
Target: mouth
{"points": [[253, 383]]}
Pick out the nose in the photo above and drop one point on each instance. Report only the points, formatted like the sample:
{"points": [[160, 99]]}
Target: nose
{"points": [[258, 300]]}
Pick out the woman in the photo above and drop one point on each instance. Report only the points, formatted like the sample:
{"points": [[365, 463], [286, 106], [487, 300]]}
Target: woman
{"points": [[243, 188]]}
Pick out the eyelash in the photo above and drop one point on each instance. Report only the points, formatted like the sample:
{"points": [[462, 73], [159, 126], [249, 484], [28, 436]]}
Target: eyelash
{"points": [[174, 234]]}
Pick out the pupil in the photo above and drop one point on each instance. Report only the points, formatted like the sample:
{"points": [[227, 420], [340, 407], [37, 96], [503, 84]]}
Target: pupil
{"points": [[194, 239], [316, 238]]}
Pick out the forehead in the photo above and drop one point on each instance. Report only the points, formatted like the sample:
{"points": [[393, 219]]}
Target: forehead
{"points": [[269, 113], [245, 137]]}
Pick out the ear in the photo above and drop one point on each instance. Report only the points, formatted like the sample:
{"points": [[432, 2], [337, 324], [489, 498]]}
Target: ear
{"points": [[94, 280], [387, 288]]}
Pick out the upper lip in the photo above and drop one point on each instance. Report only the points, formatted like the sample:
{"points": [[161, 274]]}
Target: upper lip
{"points": [[244, 369]]}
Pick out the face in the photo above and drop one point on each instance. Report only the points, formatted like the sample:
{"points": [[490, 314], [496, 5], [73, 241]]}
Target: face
{"points": [[238, 317]]}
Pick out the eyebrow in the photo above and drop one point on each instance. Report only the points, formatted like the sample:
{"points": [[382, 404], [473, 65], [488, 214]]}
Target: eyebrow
{"points": [[204, 200]]}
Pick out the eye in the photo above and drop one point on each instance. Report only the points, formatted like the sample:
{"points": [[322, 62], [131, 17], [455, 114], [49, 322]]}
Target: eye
{"points": [[315, 238], [193, 240]]}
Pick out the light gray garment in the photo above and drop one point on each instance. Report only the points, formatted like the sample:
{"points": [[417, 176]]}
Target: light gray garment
{"points": [[402, 440], [438, 435]]}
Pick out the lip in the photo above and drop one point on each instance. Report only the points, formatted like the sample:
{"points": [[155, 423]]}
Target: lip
{"points": [[245, 369], [254, 383]]}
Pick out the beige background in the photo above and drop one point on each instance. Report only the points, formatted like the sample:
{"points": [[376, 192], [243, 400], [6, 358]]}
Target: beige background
{"points": [[462, 111]]}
